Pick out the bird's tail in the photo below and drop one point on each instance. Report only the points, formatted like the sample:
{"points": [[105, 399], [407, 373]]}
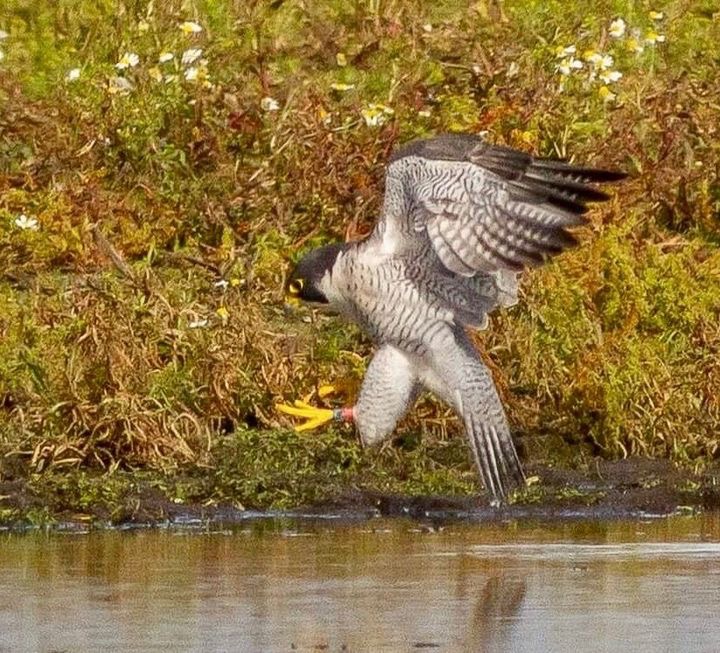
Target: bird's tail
{"points": [[487, 429], [493, 450]]}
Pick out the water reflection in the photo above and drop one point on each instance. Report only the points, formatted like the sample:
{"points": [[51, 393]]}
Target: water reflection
{"points": [[378, 586]]}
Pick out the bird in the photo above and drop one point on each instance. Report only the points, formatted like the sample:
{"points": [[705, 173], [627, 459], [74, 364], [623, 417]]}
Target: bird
{"points": [[461, 219]]}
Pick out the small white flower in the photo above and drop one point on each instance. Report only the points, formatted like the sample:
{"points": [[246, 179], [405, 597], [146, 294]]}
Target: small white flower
{"points": [[3, 35], [190, 27], [222, 283], [610, 76], [652, 37], [165, 57], [198, 324], [427, 27], [633, 44], [513, 69], [191, 74], [606, 61], [72, 75], [25, 222], [561, 51], [617, 28], [269, 104], [190, 56], [128, 60], [656, 15], [376, 114], [339, 86], [566, 66]]}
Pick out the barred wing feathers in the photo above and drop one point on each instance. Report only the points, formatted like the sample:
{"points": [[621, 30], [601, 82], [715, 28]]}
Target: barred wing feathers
{"points": [[484, 208]]}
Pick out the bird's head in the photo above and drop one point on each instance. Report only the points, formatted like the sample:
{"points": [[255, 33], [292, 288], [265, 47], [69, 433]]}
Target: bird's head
{"points": [[310, 280]]}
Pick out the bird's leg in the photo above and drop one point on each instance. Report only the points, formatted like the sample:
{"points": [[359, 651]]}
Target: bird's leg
{"points": [[318, 416]]}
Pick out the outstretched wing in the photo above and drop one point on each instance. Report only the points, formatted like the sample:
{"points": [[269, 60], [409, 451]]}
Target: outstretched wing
{"points": [[482, 207]]}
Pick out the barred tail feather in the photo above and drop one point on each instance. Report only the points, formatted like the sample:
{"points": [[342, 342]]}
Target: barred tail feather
{"points": [[494, 454], [478, 404]]}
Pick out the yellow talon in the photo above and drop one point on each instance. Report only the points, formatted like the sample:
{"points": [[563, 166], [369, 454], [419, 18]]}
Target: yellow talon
{"points": [[344, 386], [315, 416], [326, 390]]}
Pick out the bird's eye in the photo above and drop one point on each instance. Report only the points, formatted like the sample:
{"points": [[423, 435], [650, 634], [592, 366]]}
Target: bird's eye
{"points": [[296, 285]]}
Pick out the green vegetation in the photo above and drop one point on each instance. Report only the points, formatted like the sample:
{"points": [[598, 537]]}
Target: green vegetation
{"points": [[141, 318]]}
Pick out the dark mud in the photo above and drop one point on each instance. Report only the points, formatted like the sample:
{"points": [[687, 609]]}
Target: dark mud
{"points": [[633, 487]]}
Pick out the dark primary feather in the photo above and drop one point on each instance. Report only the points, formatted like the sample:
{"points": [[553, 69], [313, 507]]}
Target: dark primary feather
{"points": [[491, 207]]}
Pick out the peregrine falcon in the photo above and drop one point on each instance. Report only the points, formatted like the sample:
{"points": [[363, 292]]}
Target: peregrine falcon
{"points": [[461, 218]]}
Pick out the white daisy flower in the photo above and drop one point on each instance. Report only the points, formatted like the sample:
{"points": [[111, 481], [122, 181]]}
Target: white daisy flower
{"points": [[191, 74], [198, 324], [222, 283], [25, 222], [269, 104], [565, 51], [652, 37], [610, 76], [566, 66], [376, 114], [128, 60], [72, 75], [634, 44], [165, 57], [190, 27], [617, 28], [606, 61], [191, 55], [592, 56]]}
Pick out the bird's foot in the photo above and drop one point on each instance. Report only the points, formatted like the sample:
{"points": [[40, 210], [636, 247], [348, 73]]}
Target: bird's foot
{"points": [[346, 387], [315, 416]]}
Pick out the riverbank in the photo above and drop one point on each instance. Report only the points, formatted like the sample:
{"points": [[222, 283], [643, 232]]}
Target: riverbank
{"points": [[608, 490]]}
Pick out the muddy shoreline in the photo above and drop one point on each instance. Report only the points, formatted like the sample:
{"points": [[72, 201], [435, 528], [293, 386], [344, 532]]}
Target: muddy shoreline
{"points": [[632, 488]]}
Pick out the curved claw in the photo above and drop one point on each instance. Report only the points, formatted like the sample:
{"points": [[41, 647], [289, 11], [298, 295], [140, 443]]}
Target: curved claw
{"points": [[345, 386], [326, 390], [315, 416]]}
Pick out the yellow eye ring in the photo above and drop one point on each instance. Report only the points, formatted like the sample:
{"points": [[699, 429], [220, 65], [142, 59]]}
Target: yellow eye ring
{"points": [[295, 287]]}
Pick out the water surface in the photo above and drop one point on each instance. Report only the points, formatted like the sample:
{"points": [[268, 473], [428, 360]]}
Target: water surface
{"points": [[367, 586]]}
